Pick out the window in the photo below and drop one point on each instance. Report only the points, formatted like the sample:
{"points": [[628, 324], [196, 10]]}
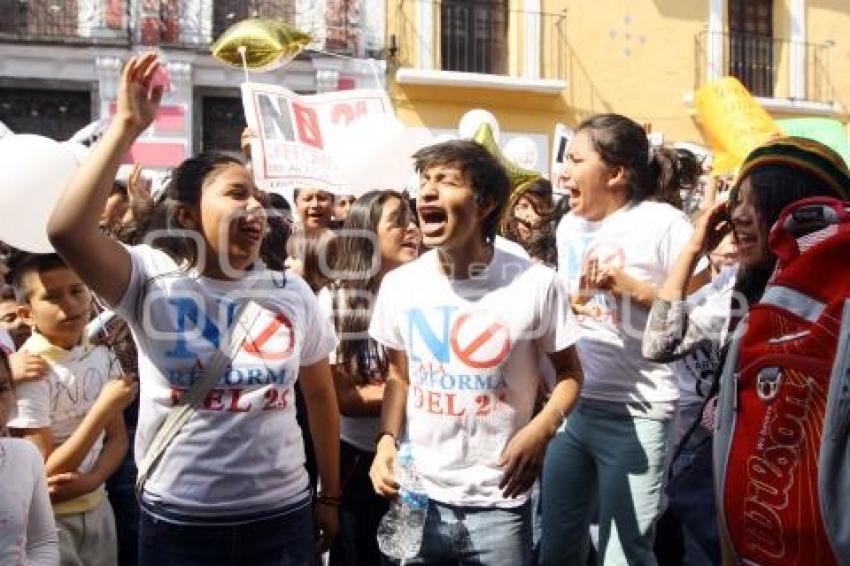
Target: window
{"points": [[56, 114], [751, 45], [159, 22], [39, 19], [474, 36], [223, 119]]}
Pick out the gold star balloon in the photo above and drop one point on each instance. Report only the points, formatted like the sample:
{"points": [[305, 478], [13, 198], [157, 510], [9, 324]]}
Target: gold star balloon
{"points": [[520, 177], [266, 44]]}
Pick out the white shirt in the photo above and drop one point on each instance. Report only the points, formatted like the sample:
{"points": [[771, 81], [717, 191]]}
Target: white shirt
{"points": [[62, 399], [510, 246], [644, 240], [473, 347], [242, 453], [28, 532], [709, 309]]}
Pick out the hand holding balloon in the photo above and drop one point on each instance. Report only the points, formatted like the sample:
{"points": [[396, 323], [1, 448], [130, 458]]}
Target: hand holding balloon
{"points": [[139, 95]]}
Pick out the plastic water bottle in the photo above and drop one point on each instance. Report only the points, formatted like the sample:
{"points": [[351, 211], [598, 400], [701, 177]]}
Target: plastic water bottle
{"points": [[400, 530]]}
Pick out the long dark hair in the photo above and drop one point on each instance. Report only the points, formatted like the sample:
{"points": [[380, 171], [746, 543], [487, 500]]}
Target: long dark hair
{"points": [[678, 170], [774, 187], [622, 142], [354, 292]]}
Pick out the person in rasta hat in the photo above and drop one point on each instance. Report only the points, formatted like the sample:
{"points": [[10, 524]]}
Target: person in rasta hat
{"points": [[529, 220], [694, 330]]}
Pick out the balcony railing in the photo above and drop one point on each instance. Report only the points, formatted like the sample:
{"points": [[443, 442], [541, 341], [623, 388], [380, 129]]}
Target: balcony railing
{"points": [[768, 67], [63, 21], [475, 37], [335, 25]]}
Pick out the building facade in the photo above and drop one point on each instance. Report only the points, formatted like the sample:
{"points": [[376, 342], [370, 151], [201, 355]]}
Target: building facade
{"points": [[537, 62], [60, 64]]}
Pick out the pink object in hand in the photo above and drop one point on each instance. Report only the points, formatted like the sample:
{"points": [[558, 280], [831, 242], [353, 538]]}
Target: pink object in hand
{"points": [[161, 78]]}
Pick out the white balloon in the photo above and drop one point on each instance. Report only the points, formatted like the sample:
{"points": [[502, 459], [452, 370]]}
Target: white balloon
{"points": [[440, 138], [375, 152], [472, 120], [522, 151], [35, 171], [81, 152]]}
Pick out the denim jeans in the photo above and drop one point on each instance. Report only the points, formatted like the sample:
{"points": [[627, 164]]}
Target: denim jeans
{"points": [[281, 541], [610, 463], [360, 512], [475, 536], [691, 499]]}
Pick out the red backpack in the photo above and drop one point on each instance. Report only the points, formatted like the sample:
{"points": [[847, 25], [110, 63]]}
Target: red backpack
{"points": [[782, 465]]}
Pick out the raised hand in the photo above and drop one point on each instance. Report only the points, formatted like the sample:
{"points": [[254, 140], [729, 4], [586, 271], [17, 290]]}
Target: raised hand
{"points": [[710, 228], [138, 187], [138, 100]]}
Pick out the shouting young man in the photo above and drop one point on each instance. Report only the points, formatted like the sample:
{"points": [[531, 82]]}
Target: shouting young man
{"points": [[467, 327]]}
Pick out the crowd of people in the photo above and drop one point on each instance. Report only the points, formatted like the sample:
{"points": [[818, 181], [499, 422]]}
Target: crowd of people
{"points": [[204, 376]]}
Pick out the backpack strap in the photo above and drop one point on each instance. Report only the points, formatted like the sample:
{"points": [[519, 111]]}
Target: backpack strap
{"points": [[180, 414]]}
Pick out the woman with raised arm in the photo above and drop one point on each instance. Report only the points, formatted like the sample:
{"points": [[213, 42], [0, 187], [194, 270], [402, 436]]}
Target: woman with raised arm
{"points": [[230, 487], [693, 330]]}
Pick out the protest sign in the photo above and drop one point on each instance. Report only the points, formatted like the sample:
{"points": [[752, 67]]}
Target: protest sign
{"points": [[732, 121], [294, 133], [560, 142]]}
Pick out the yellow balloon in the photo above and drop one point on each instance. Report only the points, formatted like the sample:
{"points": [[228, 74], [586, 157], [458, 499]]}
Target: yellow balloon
{"points": [[520, 177], [267, 44]]}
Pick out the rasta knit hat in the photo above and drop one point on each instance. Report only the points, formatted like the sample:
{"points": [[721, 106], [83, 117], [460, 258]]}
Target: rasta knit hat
{"points": [[794, 152]]}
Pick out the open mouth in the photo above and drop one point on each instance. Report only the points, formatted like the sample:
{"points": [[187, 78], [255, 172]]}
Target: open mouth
{"points": [[432, 220], [412, 245], [252, 233]]}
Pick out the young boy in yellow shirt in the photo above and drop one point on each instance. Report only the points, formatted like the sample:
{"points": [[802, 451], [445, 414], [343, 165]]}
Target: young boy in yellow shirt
{"points": [[73, 414]]}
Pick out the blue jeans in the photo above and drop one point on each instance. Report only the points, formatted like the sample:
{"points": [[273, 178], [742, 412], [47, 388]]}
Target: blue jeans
{"points": [[475, 536], [281, 541], [691, 498], [609, 463]]}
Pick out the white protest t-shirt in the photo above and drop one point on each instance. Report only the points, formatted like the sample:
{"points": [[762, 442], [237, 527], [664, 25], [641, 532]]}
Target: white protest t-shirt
{"points": [[242, 453], [510, 246], [473, 348], [62, 399], [644, 240]]}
